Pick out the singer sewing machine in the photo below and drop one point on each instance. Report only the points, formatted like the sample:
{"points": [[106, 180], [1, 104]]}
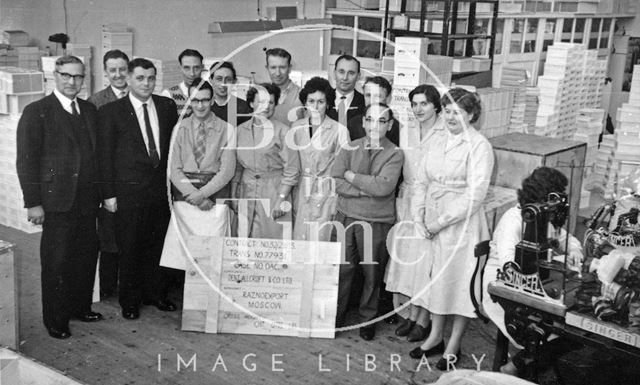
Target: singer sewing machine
{"points": [[543, 297]]}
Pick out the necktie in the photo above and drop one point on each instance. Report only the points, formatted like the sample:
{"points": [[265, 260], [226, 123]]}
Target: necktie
{"points": [[153, 152], [201, 144], [342, 112], [122, 94], [74, 109]]}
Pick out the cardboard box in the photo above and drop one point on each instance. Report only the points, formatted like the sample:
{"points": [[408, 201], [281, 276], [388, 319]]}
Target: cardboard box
{"points": [[15, 80]]}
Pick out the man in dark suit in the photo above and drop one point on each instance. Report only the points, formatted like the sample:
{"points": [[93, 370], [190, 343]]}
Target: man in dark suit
{"points": [[115, 66], [349, 102], [133, 143], [58, 171]]}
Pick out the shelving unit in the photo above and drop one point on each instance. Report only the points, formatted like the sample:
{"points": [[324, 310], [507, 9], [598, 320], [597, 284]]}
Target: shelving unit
{"points": [[448, 19]]}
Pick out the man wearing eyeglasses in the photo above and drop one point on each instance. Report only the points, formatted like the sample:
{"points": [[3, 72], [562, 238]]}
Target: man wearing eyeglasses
{"points": [[224, 105], [133, 146], [366, 175], [58, 172]]}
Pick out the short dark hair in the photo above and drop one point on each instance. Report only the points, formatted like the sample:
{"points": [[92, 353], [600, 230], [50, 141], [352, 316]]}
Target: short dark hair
{"points": [[430, 92], [141, 62], [280, 52], [200, 85], [348, 58], [468, 101], [384, 106], [318, 84], [381, 82], [222, 64], [271, 88], [68, 59], [189, 52], [537, 186], [114, 54]]}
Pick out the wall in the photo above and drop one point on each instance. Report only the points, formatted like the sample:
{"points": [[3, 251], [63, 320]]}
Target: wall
{"points": [[163, 28]]}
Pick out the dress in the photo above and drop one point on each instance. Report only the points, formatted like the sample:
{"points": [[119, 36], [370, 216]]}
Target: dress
{"points": [[316, 190], [452, 182], [506, 236], [401, 275], [260, 169]]}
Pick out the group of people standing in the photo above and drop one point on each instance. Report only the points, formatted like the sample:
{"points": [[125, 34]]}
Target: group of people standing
{"points": [[316, 154]]}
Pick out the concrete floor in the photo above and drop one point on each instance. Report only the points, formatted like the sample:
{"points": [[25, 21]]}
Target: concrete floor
{"points": [[149, 350]]}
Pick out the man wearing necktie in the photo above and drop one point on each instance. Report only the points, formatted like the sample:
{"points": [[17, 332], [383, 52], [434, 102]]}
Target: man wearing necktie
{"points": [[133, 143], [349, 102], [115, 66], [58, 172]]}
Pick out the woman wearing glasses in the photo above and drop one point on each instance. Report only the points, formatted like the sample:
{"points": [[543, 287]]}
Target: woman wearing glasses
{"points": [[318, 138], [402, 277], [266, 168], [453, 179]]}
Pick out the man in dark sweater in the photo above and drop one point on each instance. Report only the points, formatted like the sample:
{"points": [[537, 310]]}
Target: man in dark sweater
{"points": [[366, 175]]}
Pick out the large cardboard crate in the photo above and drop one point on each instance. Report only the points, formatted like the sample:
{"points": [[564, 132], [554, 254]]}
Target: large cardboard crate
{"points": [[517, 155]]}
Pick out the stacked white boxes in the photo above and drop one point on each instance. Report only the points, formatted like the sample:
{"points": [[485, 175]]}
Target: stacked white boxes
{"points": [[115, 36], [28, 57], [624, 145], [49, 66], [589, 124], [440, 69], [168, 74], [516, 80], [15, 38], [18, 88], [573, 79], [531, 108], [496, 111], [409, 56]]}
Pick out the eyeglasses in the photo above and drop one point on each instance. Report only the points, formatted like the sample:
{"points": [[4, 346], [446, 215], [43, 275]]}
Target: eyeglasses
{"points": [[66, 76], [198, 101], [380, 121]]}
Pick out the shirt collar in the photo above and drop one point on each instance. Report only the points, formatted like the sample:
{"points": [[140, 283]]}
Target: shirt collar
{"points": [[208, 122], [137, 103], [348, 98], [117, 91], [184, 88], [225, 102], [65, 101]]}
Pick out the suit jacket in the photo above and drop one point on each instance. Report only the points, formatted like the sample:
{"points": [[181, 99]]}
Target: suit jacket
{"points": [[49, 156], [356, 107], [127, 171], [103, 97]]}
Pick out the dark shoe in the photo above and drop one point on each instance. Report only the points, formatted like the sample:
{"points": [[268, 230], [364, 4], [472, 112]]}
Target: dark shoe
{"points": [[367, 333], [392, 319], [60, 334], [89, 317], [418, 333], [131, 313], [405, 327], [442, 363], [418, 353], [161, 304]]}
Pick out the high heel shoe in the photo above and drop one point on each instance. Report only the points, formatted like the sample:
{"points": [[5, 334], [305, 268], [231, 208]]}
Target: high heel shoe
{"points": [[443, 363], [405, 327], [418, 333], [418, 353]]}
